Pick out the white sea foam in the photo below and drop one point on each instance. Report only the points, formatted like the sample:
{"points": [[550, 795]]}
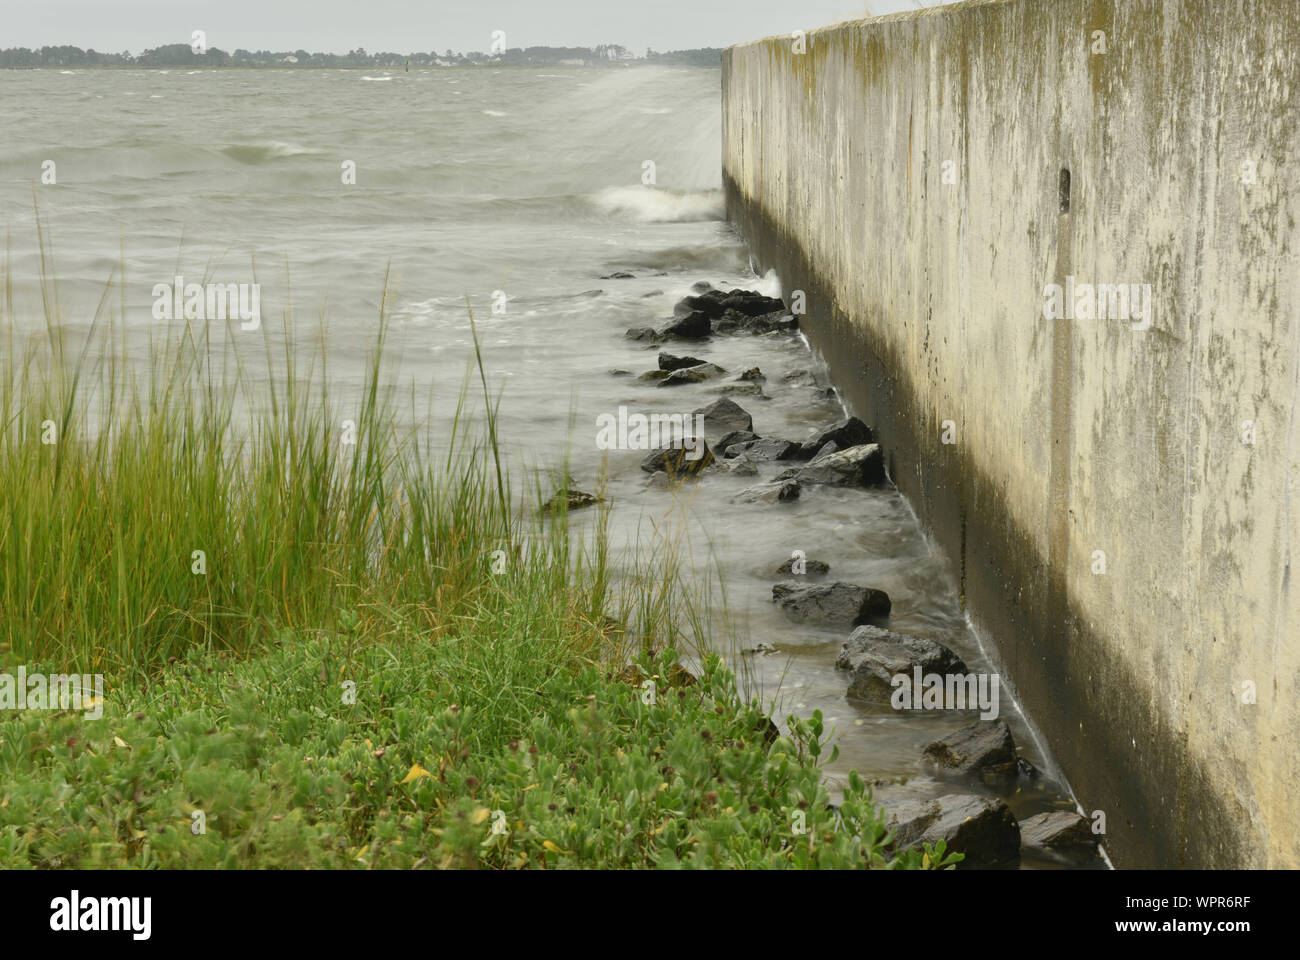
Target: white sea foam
{"points": [[652, 205]]}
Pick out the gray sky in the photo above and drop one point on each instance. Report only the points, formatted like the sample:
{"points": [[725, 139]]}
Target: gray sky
{"points": [[404, 26]]}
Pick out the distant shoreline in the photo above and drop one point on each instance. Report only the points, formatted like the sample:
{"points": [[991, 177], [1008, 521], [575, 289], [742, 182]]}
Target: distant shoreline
{"points": [[400, 69]]}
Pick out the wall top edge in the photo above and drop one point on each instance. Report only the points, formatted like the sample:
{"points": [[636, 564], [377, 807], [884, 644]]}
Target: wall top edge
{"points": [[947, 10]]}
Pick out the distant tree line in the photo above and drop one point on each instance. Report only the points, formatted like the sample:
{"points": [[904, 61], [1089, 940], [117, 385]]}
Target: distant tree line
{"points": [[181, 55]]}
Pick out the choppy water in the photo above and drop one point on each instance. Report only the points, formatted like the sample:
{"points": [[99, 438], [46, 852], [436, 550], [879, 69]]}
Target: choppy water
{"points": [[468, 182]]}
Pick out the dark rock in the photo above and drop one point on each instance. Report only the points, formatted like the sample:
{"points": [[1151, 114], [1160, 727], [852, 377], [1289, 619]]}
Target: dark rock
{"points": [[620, 275], [725, 416], [982, 828], [701, 286], [1062, 832], [669, 362], [675, 459], [740, 390], [812, 568], [741, 467], [652, 293], [733, 438], [769, 493], [753, 374], [874, 656], [825, 451], [736, 321], [765, 449], [838, 603], [779, 321], [643, 334], [984, 750], [861, 466], [714, 303], [851, 432], [696, 374], [693, 326], [654, 375], [800, 378], [571, 500]]}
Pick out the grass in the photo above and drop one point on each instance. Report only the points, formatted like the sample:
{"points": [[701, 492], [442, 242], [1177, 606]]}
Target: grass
{"points": [[371, 655]]}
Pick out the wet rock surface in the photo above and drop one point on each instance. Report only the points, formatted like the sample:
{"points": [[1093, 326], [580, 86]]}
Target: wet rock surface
{"points": [[833, 603], [874, 655], [811, 568], [1062, 833], [677, 458], [982, 828], [669, 362], [725, 417], [849, 432], [765, 449], [861, 466], [984, 750], [696, 374], [777, 492]]}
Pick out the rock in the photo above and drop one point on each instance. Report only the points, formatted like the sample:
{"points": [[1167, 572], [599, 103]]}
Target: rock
{"points": [[725, 417], [652, 293], [736, 321], [669, 362], [643, 334], [984, 750], [837, 603], [825, 451], [675, 460], [800, 378], [850, 432], [812, 568], [766, 449], [701, 286], [693, 326], [620, 275], [769, 493], [780, 321], [620, 372], [714, 303], [1062, 832], [654, 375], [659, 480], [733, 438], [740, 390], [571, 500], [741, 467], [695, 374], [874, 656], [862, 466], [753, 375], [982, 828]]}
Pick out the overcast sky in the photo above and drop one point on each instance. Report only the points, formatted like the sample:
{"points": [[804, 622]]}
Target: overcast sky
{"points": [[405, 26]]}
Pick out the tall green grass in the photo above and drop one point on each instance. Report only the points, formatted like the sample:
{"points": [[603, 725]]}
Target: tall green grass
{"points": [[117, 470]]}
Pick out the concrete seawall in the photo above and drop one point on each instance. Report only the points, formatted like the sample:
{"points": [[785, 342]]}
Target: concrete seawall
{"points": [[1118, 498]]}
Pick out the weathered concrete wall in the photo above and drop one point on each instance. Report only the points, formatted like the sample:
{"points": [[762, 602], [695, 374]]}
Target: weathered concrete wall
{"points": [[1073, 435]]}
